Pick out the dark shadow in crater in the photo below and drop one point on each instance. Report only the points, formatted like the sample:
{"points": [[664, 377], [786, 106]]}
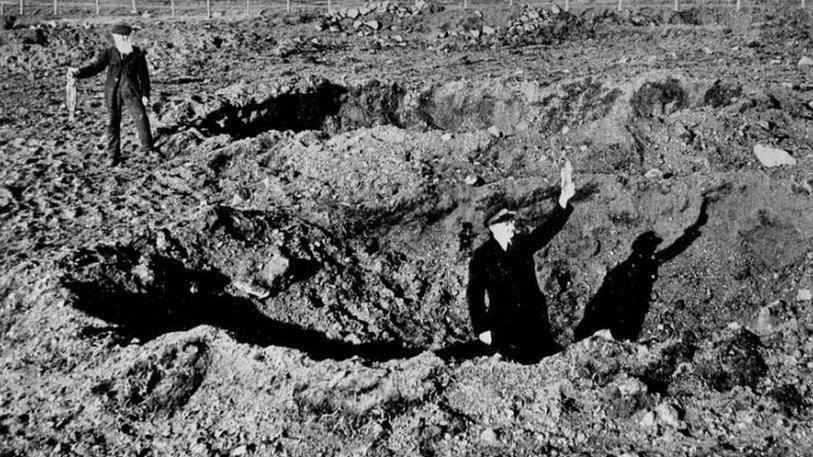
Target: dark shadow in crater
{"points": [[622, 301], [294, 111], [179, 299]]}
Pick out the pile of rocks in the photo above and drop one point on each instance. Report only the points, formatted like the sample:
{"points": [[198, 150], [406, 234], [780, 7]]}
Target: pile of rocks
{"points": [[369, 19]]}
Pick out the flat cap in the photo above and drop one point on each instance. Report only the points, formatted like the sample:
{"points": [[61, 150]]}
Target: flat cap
{"points": [[121, 29], [496, 214]]}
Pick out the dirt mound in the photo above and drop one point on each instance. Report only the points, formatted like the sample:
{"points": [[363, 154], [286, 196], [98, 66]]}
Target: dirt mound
{"points": [[291, 281], [158, 380]]}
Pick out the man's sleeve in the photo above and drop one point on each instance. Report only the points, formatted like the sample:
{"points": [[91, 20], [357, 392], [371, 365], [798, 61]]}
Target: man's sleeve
{"points": [[475, 294], [144, 74], [542, 234], [95, 67]]}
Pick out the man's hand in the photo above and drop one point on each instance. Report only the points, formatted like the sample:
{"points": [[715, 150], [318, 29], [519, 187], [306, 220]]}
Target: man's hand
{"points": [[145, 101], [485, 337], [568, 188]]}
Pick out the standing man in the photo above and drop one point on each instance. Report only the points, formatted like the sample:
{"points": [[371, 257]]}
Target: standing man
{"points": [[515, 322], [127, 84]]}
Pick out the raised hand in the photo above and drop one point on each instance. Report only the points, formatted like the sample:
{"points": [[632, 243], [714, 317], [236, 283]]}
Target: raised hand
{"points": [[485, 337]]}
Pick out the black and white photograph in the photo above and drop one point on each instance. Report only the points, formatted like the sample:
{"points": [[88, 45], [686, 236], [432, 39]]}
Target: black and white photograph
{"points": [[385, 228]]}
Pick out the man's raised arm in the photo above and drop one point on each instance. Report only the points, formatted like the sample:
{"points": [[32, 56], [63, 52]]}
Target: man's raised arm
{"points": [[543, 233]]}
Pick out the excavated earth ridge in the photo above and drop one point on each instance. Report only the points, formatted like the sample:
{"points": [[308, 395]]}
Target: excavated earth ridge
{"points": [[292, 280]]}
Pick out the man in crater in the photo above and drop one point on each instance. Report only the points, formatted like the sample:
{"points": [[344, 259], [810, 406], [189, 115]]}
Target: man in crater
{"points": [[127, 84], [514, 321]]}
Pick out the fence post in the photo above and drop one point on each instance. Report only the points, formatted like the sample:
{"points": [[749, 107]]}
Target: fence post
{"points": [[98, 8], [567, 5], [171, 7], [620, 5], [248, 8], [329, 7], [135, 8], [677, 7], [739, 5], [288, 6], [21, 7], [208, 9], [2, 7]]}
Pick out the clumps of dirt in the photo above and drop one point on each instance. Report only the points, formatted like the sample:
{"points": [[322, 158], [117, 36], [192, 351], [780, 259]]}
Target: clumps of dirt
{"points": [[734, 359], [659, 98], [722, 94], [658, 375], [158, 381], [788, 399]]}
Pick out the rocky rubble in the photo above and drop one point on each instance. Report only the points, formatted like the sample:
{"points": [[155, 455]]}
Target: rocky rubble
{"points": [[374, 17], [291, 281]]}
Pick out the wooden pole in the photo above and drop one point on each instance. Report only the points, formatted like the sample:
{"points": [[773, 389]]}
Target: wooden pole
{"points": [[567, 5], [288, 5], [135, 8], [21, 7], [677, 7], [208, 9], [329, 6], [248, 8], [739, 5], [98, 8], [620, 5], [2, 7], [171, 7], [55, 10]]}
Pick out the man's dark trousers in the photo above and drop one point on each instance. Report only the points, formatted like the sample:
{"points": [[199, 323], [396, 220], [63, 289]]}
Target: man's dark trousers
{"points": [[139, 115], [127, 81]]}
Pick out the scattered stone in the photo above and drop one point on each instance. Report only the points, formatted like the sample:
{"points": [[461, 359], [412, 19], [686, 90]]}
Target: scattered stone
{"points": [[732, 360], [6, 198], [604, 334], [489, 436], [495, 132], [773, 157], [668, 415], [275, 268], [375, 25], [805, 61], [804, 295], [446, 137], [472, 179], [488, 30], [767, 321], [239, 451], [654, 174], [629, 386], [648, 420]]}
